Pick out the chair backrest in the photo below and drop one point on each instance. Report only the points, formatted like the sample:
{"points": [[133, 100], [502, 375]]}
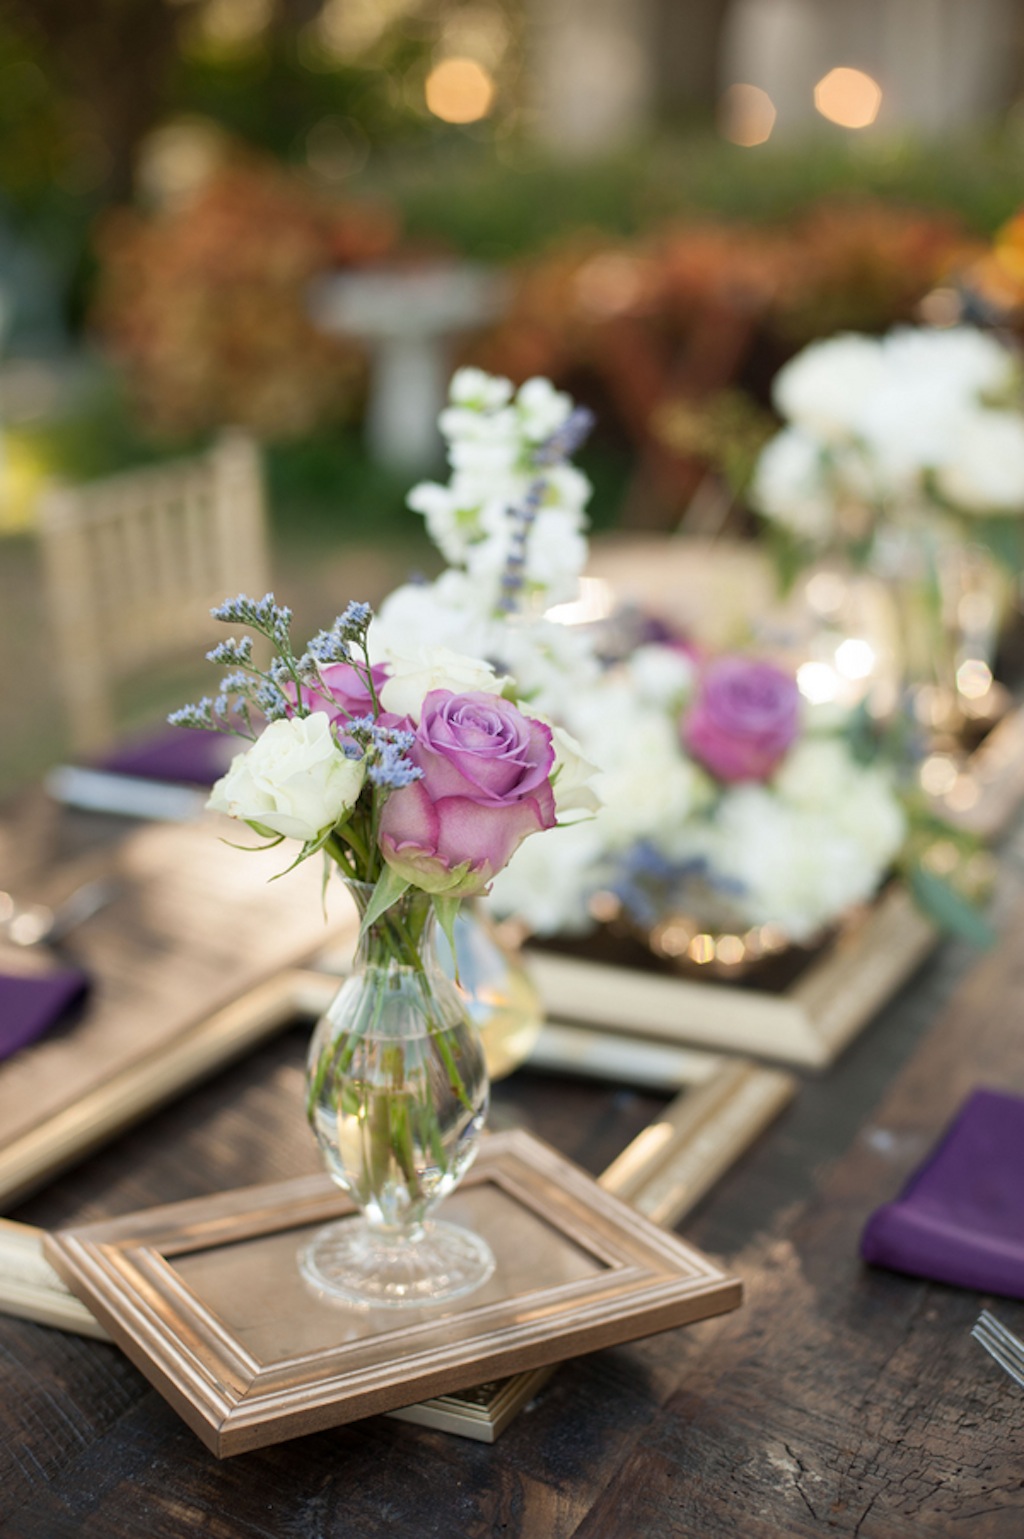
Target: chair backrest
{"points": [[134, 564]]}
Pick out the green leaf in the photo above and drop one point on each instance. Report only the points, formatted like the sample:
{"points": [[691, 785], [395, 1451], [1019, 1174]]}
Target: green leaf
{"points": [[1002, 538], [311, 847], [447, 910], [949, 909], [263, 831], [254, 849], [390, 887]]}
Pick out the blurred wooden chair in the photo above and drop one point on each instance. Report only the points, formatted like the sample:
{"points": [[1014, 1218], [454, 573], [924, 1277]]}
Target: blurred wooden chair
{"points": [[133, 565]]}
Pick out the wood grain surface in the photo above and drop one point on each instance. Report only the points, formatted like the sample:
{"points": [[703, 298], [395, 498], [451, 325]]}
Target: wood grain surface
{"points": [[839, 1400]]}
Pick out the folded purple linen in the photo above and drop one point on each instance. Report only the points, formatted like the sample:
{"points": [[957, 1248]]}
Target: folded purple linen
{"points": [[174, 753], [29, 1006], [960, 1217]]}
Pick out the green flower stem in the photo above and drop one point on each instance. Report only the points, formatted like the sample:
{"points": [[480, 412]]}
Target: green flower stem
{"points": [[444, 1047], [394, 1123]]}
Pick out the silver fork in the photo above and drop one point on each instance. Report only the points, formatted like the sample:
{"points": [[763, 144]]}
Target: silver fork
{"points": [[34, 924], [1001, 1344]]}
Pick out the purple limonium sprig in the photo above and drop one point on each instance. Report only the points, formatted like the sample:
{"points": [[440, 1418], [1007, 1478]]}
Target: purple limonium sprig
{"points": [[281, 689], [385, 749], [554, 450]]}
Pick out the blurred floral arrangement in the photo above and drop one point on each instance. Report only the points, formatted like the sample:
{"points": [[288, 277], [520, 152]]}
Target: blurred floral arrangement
{"points": [[904, 455], [204, 303], [720, 794], [918, 425]]}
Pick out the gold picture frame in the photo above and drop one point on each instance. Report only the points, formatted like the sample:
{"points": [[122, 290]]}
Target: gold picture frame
{"points": [[578, 1269], [808, 1023], [724, 1105]]}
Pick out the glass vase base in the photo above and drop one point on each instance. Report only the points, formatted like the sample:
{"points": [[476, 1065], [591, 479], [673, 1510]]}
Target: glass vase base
{"points": [[354, 1262]]}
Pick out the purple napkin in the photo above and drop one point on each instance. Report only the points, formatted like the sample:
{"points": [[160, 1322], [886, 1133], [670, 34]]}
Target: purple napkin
{"points": [[960, 1217], [174, 753], [30, 1006]]}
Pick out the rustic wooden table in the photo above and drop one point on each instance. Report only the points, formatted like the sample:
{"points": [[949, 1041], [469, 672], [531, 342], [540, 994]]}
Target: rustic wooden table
{"points": [[838, 1400]]}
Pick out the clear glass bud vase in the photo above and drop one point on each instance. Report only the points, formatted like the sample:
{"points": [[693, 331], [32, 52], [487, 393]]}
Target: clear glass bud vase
{"points": [[397, 1094], [502, 999]]}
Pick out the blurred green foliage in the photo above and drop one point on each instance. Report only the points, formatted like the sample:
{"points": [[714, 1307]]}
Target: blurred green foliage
{"points": [[503, 199]]}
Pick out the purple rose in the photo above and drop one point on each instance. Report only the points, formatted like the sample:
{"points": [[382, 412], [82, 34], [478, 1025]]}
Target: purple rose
{"points": [[486, 785], [345, 694], [745, 716]]}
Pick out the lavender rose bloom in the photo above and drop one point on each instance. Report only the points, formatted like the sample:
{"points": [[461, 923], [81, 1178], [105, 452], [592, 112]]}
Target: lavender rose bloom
{"points": [[345, 694], [745, 716], [485, 787]]}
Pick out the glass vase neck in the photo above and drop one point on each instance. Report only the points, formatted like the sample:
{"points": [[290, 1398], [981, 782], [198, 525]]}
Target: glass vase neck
{"points": [[403, 936]]}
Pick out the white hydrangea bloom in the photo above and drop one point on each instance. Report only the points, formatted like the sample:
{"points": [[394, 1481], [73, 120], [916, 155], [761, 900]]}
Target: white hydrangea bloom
{"points": [[824, 389], [968, 361], [442, 613], [873, 421], [980, 467], [791, 486], [662, 676], [803, 866], [548, 882]]}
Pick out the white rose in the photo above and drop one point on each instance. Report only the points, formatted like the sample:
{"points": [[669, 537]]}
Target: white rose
{"points": [[981, 466], [294, 780], [571, 773], [824, 388], [415, 675]]}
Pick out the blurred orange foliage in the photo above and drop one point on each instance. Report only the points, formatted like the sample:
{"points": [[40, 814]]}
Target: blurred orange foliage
{"points": [[206, 304], [689, 311]]}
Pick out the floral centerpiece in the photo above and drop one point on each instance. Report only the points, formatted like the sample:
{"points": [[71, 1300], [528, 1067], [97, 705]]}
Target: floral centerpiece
{"points": [[736, 818], [417, 779], [724, 803], [906, 454]]}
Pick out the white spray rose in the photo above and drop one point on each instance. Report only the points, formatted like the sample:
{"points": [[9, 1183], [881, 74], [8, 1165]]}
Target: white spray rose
{"points": [[294, 780], [413, 677]]}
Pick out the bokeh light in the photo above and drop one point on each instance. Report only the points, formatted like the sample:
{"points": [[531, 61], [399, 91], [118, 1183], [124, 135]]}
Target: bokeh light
{"points": [[460, 91], [746, 115], [848, 97]]}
